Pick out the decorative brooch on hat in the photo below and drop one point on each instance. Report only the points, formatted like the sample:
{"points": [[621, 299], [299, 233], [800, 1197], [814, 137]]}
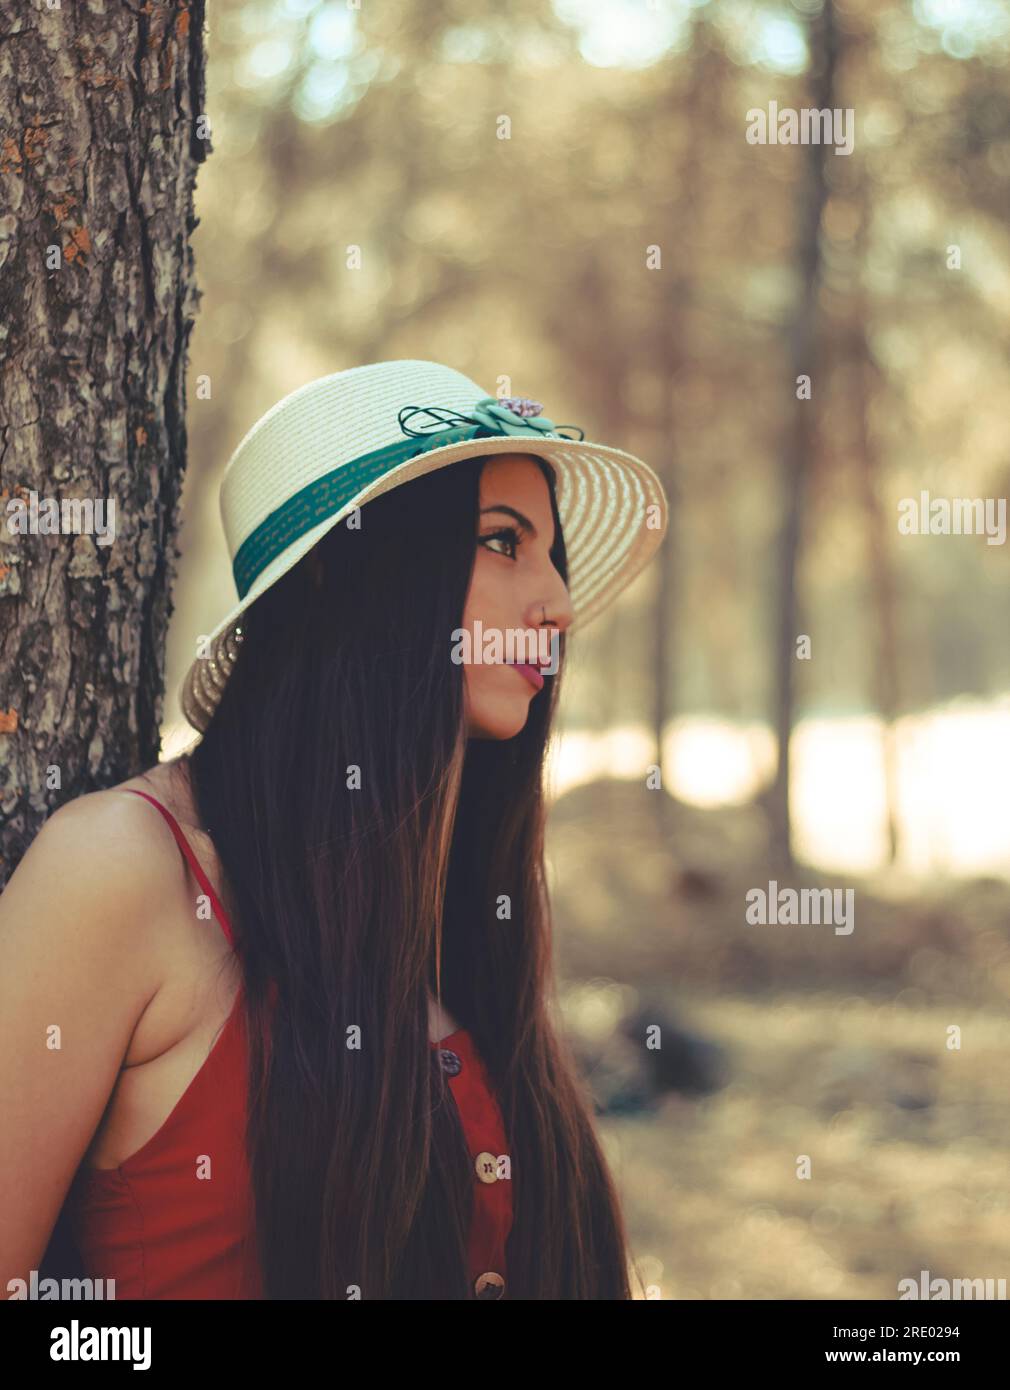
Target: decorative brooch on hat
{"points": [[517, 415]]}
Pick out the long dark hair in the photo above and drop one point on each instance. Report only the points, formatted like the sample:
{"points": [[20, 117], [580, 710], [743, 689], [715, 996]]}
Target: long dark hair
{"points": [[375, 854]]}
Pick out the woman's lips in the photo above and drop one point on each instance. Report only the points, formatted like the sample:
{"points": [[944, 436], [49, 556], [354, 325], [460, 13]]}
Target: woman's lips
{"points": [[531, 673]]}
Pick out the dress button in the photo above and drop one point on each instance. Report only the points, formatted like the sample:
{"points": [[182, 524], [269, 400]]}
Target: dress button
{"points": [[487, 1169], [489, 1285], [452, 1065]]}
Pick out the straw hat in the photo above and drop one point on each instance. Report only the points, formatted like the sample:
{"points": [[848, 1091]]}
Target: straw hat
{"points": [[343, 439]]}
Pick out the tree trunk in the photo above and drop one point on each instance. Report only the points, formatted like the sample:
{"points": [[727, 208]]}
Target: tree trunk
{"points": [[883, 606], [801, 436], [699, 105], [103, 128]]}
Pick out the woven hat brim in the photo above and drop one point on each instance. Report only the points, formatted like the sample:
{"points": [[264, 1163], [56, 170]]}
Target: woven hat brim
{"points": [[614, 515]]}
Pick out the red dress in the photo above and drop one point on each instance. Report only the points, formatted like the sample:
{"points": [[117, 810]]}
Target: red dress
{"points": [[162, 1226]]}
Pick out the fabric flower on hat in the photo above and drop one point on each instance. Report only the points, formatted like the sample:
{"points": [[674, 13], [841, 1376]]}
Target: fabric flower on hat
{"points": [[511, 415]]}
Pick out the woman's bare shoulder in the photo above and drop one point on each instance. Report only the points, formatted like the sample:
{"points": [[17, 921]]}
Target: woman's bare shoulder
{"points": [[103, 857], [86, 945], [119, 830]]}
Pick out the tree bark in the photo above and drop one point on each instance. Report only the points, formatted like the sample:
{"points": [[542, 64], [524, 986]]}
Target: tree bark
{"points": [[101, 133]]}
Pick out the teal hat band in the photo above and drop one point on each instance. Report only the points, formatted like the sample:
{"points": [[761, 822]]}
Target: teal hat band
{"points": [[326, 495]]}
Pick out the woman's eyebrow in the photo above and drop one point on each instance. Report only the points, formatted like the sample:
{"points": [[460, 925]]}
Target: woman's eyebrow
{"points": [[523, 521]]}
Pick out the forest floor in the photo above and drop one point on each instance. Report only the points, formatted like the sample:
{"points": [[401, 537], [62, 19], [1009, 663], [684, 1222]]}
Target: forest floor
{"points": [[878, 1061]]}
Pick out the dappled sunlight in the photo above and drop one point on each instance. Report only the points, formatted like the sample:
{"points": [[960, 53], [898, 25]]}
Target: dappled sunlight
{"points": [[952, 782]]}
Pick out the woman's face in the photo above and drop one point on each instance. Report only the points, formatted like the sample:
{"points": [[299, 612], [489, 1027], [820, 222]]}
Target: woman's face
{"points": [[514, 585]]}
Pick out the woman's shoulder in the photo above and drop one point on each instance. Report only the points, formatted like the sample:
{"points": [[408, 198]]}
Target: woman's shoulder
{"points": [[82, 914], [104, 858], [117, 832]]}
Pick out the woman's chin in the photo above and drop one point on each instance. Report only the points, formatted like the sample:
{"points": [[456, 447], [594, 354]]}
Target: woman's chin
{"points": [[500, 724]]}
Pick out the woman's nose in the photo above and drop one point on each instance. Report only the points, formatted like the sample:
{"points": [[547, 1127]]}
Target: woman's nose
{"points": [[552, 607]]}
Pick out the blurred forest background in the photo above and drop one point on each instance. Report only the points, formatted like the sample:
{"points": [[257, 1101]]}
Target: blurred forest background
{"points": [[629, 259]]}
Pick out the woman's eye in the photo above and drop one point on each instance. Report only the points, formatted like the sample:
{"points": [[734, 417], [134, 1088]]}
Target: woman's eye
{"points": [[508, 536]]}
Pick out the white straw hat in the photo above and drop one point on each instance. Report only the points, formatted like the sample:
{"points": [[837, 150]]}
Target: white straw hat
{"points": [[343, 439]]}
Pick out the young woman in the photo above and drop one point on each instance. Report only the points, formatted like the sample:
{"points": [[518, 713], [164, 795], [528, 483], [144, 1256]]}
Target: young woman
{"points": [[276, 1017]]}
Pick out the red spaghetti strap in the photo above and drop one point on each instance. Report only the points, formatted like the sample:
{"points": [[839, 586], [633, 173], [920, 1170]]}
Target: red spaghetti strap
{"points": [[192, 861]]}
